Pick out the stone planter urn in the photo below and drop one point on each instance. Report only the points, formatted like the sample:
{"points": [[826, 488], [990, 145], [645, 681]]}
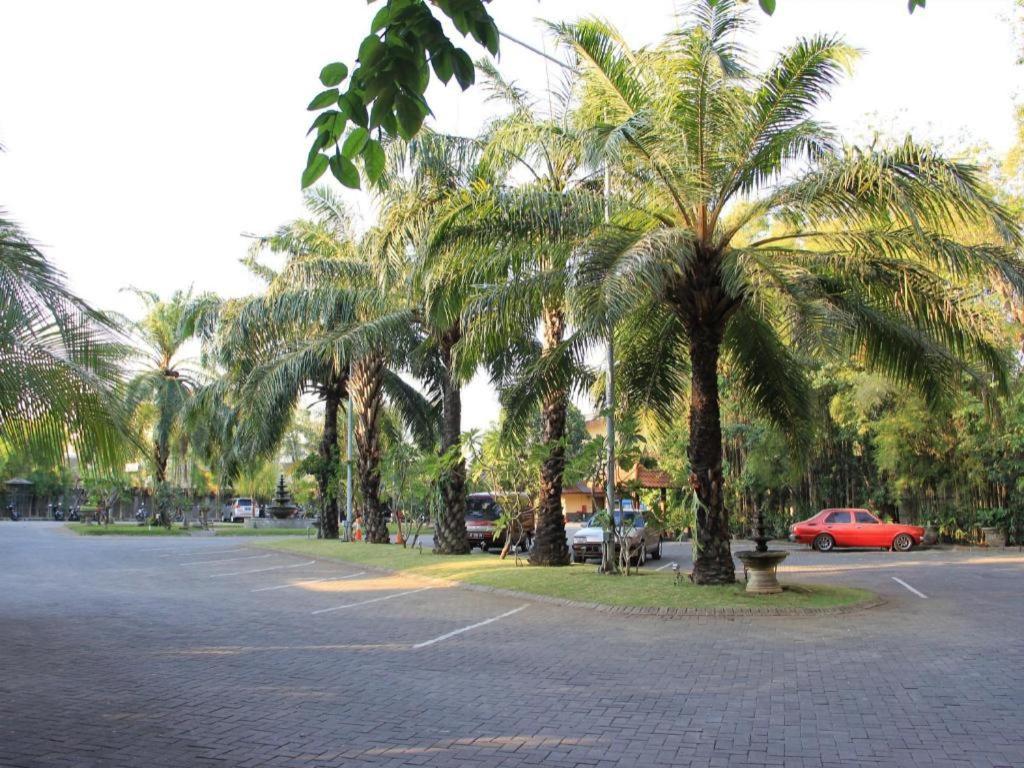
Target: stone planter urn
{"points": [[994, 538], [761, 571], [931, 535], [761, 563]]}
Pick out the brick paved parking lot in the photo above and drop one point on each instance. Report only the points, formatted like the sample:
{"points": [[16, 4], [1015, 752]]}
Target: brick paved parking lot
{"points": [[203, 652]]}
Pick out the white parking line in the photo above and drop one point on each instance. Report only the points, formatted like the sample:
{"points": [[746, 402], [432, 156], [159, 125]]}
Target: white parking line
{"points": [[374, 600], [901, 581], [260, 570], [206, 552], [663, 567], [223, 560], [453, 633], [309, 581]]}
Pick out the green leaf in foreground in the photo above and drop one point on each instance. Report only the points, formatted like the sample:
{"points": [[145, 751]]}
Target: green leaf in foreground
{"points": [[333, 74], [373, 160], [315, 169], [344, 171]]}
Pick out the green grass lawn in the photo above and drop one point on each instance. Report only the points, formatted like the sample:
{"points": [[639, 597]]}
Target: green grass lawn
{"points": [[125, 529], [575, 582], [235, 529]]}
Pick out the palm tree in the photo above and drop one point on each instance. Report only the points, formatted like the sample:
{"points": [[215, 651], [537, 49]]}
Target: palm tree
{"points": [[430, 174], [319, 330], [751, 238], [159, 392], [518, 243], [61, 364]]}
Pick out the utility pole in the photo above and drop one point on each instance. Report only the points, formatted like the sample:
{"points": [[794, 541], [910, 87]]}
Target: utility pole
{"points": [[608, 563], [348, 463]]}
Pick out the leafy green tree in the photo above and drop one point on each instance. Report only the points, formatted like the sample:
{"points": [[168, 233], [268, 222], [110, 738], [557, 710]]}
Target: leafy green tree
{"points": [[752, 239], [61, 364], [385, 92]]}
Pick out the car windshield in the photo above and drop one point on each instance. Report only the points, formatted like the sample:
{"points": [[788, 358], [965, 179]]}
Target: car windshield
{"points": [[482, 509], [243, 502], [631, 520]]}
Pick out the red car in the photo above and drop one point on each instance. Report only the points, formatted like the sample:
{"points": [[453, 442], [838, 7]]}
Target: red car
{"points": [[832, 528]]}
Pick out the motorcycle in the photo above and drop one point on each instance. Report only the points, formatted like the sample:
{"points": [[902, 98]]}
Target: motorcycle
{"points": [[13, 513], [73, 515], [56, 512]]}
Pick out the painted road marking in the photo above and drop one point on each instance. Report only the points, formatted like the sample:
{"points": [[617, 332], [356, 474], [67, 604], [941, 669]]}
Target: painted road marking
{"points": [[178, 552], [374, 600], [260, 570], [453, 633], [223, 560], [309, 581], [663, 567], [901, 581]]}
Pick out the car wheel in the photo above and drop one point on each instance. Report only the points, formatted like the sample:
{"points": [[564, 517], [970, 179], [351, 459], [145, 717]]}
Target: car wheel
{"points": [[903, 543], [823, 542], [656, 554]]}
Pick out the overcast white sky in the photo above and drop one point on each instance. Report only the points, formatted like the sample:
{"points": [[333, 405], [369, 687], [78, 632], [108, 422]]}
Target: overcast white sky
{"points": [[143, 138]]}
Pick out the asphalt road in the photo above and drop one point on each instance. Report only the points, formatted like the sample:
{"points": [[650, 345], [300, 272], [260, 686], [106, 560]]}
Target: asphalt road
{"points": [[202, 651]]}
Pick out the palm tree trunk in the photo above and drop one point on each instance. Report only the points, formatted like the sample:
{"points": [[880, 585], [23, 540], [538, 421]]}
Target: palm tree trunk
{"points": [[549, 546], [160, 454], [329, 463], [450, 535], [712, 558], [366, 382]]}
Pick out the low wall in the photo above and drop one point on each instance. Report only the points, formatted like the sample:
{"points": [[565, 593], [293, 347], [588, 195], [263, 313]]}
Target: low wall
{"points": [[270, 522]]}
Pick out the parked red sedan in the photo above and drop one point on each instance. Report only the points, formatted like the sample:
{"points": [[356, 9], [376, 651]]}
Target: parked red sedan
{"points": [[832, 528]]}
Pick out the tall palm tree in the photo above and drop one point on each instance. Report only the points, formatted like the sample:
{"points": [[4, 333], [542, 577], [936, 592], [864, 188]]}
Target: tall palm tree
{"points": [[752, 238], [261, 342], [519, 242], [429, 175], [61, 363], [167, 380], [319, 330]]}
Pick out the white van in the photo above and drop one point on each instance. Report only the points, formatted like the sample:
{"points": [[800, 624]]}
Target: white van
{"points": [[241, 508]]}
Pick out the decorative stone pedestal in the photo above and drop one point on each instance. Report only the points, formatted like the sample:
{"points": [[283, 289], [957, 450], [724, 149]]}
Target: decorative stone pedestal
{"points": [[760, 568]]}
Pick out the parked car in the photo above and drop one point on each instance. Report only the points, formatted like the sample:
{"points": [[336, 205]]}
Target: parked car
{"points": [[483, 510], [241, 508], [833, 528], [644, 540]]}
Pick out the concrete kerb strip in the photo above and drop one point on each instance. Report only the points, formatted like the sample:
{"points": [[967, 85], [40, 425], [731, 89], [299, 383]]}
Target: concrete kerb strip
{"points": [[655, 612]]}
